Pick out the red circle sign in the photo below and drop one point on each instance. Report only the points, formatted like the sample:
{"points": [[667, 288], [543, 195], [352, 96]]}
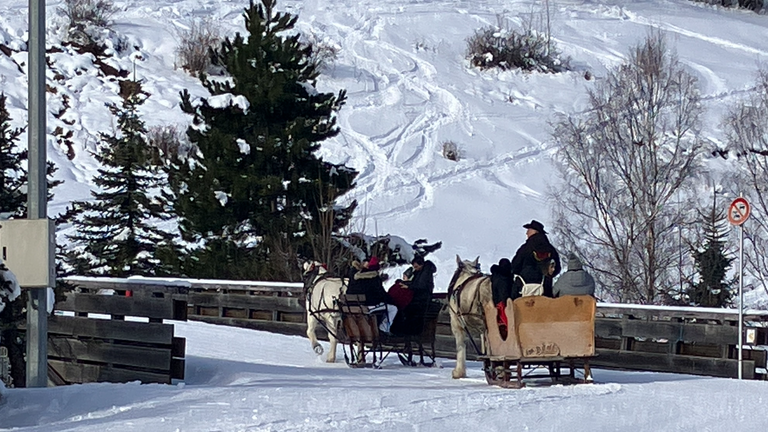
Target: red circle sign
{"points": [[738, 211]]}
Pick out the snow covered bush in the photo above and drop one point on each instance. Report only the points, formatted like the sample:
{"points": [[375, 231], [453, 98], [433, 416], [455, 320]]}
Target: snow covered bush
{"points": [[451, 151], [753, 5], [324, 51], [168, 141], [86, 13], [529, 50], [195, 45]]}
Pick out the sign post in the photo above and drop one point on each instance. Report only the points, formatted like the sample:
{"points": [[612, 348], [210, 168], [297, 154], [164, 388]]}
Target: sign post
{"points": [[738, 213]]}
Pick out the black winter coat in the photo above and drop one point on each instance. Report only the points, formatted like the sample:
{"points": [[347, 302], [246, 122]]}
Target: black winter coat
{"points": [[423, 284], [502, 282], [410, 321], [369, 282], [529, 268]]}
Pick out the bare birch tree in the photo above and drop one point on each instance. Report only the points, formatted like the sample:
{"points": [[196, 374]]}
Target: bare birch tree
{"points": [[625, 165], [746, 126]]}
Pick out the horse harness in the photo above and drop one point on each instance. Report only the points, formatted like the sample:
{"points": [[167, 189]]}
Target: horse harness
{"points": [[457, 293], [324, 307]]}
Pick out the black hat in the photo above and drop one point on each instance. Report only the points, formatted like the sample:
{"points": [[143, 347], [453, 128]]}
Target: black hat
{"points": [[535, 225]]}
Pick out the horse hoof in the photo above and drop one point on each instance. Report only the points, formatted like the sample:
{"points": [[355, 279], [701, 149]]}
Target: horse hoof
{"points": [[318, 349], [456, 374]]}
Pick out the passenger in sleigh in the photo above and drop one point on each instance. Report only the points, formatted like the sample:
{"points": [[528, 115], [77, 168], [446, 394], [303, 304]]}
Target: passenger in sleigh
{"points": [[530, 272], [503, 287], [368, 280], [536, 261], [410, 320], [575, 281], [399, 292]]}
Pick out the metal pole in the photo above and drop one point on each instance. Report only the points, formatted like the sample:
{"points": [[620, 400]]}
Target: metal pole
{"points": [[741, 291], [37, 194]]}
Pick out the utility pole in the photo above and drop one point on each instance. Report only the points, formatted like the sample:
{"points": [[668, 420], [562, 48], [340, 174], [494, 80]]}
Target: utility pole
{"points": [[37, 193]]}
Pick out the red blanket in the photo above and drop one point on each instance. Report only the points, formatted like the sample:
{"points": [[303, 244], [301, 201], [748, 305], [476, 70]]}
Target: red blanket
{"points": [[401, 295]]}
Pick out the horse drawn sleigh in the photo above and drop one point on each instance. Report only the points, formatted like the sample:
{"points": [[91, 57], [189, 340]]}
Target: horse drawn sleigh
{"points": [[543, 338], [358, 330], [347, 319]]}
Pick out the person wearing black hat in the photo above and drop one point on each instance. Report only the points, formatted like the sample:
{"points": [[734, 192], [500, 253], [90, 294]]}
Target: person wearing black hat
{"points": [[537, 261]]}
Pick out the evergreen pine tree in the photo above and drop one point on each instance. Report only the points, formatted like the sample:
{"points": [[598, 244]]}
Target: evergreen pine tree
{"points": [[712, 289], [254, 190], [13, 200], [115, 232], [13, 204]]}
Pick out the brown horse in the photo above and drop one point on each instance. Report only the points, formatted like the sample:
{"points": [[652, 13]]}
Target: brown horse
{"points": [[468, 291]]}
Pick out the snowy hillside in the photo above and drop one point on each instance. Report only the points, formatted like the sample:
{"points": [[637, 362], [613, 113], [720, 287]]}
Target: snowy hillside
{"points": [[410, 90]]}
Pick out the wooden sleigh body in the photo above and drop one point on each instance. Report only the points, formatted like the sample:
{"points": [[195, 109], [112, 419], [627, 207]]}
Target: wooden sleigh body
{"points": [[544, 334], [366, 346]]}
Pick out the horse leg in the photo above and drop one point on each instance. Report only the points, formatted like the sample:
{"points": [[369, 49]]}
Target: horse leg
{"points": [[332, 324], [311, 327], [460, 371]]}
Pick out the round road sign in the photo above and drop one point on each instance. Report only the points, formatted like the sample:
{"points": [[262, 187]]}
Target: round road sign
{"points": [[738, 211]]}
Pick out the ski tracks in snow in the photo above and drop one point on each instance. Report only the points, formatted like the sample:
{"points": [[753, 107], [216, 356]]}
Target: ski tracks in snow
{"points": [[398, 79], [400, 112]]}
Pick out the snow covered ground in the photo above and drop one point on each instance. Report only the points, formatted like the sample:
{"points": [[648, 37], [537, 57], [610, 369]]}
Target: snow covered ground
{"points": [[244, 380], [410, 90]]}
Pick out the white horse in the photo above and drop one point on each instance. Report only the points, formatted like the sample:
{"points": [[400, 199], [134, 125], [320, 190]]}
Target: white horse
{"points": [[322, 292], [468, 291]]}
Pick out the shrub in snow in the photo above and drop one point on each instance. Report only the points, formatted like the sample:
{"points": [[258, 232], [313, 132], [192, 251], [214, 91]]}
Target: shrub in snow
{"points": [[753, 5], [87, 13], [10, 314], [195, 45], [451, 151], [529, 50], [169, 142], [324, 52]]}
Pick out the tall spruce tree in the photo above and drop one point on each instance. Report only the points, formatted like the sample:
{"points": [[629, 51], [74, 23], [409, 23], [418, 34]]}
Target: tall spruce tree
{"points": [[255, 192], [116, 232], [13, 204], [13, 200], [713, 289]]}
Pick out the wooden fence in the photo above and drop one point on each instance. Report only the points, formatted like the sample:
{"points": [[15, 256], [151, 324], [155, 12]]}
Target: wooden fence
{"points": [[111, 337], [699, 341]]}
